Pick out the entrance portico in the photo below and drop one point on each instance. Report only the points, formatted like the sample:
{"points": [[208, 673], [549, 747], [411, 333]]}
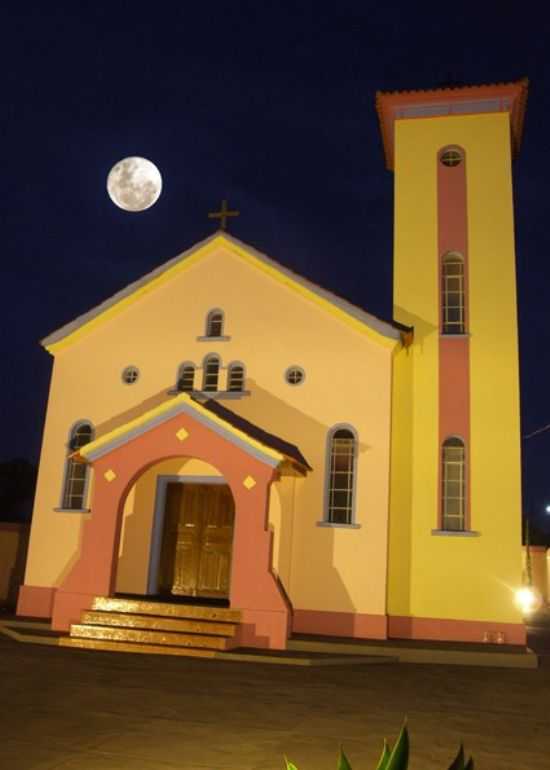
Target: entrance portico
{"points": [[249, 461]]}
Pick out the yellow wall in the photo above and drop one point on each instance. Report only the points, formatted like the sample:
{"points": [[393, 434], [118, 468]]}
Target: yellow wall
{"points": [[348, 379], [470, 578], [400, 523]]}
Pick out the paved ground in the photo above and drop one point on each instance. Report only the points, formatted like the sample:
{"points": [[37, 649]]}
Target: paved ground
{"points": [[80, 710]]}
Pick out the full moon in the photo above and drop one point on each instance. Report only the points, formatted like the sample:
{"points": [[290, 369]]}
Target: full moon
{"points": [[134, 184]]}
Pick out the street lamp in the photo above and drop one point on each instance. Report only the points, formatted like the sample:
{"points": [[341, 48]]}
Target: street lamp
{"points": [[528, 599]]}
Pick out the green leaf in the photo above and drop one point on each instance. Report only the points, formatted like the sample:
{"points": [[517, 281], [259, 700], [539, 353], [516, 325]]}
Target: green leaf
{"points": [[399, 757], [384, 759], [289, 765], [469, 764], [343, 763], [458, 763]]}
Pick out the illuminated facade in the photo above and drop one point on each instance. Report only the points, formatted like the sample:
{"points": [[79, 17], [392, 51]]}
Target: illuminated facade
{"points": [[223, 428]]}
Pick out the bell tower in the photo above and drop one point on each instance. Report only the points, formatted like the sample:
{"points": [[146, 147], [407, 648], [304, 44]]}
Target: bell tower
{"points": [[455, 510]]}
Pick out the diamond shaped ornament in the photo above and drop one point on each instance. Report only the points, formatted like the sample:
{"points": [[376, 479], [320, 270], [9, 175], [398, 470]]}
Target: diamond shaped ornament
{"points": [[249, 482]]}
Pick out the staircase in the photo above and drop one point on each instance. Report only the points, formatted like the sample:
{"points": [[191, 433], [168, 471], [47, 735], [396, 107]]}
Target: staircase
{"points": [[155, 628]]}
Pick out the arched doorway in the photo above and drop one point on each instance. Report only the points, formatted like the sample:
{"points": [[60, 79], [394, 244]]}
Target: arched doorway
{"points": [[191, 550], [178, 428]]}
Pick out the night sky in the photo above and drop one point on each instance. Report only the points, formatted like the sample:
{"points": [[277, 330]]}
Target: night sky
{"points": [[268, 105]]}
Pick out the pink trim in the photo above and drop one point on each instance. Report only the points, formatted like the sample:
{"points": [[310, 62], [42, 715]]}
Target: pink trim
{"points": [[452, 219], [68, 608], [512, 99], [253, 589], [353, 625], [35, 601], [454, 410], [455, 630], [454, 353], [260, 628]]}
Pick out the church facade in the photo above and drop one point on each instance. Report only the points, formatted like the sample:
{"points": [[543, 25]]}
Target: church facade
{"points": [[251, 438]]}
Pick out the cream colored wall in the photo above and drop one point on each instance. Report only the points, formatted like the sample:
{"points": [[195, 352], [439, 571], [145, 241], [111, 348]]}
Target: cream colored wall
{"points": [[348, 379], [446, 572], [55, 536]]}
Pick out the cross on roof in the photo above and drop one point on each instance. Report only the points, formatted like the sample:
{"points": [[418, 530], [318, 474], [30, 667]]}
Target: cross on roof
{"points": [[223, 215]]}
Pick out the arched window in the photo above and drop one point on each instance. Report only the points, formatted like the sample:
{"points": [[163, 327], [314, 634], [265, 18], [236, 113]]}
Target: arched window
{"points": [[453, 484], [342, 453], [76, 473], [452, 294], [211, 371], [235, 377], [186, 377], [214, 323]]}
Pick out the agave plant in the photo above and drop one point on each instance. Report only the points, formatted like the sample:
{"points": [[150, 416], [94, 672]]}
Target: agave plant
{"points": [[398, 757]]}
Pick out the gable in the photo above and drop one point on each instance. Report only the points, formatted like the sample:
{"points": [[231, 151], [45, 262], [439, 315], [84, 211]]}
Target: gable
{"points": [[387, 334]]}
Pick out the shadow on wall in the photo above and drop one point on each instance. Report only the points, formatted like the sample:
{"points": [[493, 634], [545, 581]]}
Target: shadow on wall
{"points": [[313, 572], [308, 569]]}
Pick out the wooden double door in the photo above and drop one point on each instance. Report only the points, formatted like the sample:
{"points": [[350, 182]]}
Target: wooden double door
{"points": [[197, 540]]}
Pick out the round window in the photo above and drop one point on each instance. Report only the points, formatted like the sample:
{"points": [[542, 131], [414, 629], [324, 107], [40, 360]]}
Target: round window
{"points": [[294, 375], [451, 157], [130, 375]]}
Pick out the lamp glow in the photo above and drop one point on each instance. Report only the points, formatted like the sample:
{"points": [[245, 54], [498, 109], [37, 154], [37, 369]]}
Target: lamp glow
{"points": [[547, 509], [528, 599]]}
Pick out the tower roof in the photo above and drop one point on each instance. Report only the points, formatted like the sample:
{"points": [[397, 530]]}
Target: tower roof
{"points": [[461, 100]]}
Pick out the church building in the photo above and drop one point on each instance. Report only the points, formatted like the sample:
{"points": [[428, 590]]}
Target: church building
{"points": [[255, 453]]}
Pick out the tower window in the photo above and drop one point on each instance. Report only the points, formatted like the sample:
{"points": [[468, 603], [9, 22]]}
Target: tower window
{"points": [[452, 294], [453, 484], [214, 323], [341, 458], [76, 473], [451, 157], [186, 377], [235, 380], [211, 372]]}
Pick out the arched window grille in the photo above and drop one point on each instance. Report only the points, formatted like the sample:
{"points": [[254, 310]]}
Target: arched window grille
{"points": [[186, 377], [342, 452], [76, 473], [214, 323], [452, 294], [235, 378], [451, 157], [453, 476], [211, 373]]}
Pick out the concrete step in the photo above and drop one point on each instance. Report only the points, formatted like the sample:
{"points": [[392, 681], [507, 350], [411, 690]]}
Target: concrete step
{"points": [[164, 609], [147, 649], [114, 634], [152, 623]]}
